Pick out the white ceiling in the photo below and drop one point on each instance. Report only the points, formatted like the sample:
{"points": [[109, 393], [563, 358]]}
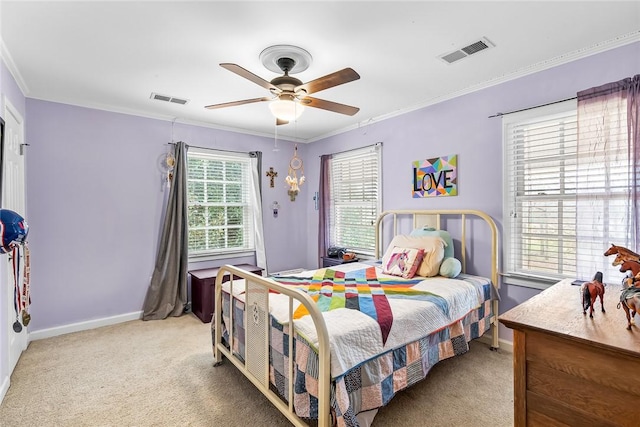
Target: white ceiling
{"points": [[113, 55]]}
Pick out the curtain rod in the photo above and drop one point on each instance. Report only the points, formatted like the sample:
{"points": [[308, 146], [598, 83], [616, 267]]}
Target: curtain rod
{"points": [[215, 149], [531, 108], [354, 149]]}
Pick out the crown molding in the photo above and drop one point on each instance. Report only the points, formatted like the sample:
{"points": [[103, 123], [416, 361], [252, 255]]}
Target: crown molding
{"points": [[606, 45], [532, 69], [6, 57]]}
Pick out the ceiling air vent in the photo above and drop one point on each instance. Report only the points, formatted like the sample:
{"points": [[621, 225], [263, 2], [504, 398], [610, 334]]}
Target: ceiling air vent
{"points": [[167, 98], [471, 49]]}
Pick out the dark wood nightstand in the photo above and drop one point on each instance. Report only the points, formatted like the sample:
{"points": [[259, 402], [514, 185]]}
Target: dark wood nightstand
{"points": [[330, 262], [202, 289]]}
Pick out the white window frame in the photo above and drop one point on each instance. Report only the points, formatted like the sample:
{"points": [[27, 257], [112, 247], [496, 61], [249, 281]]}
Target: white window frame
{"points": [[341, 233], [248, 222], [512, 273], [581, 236]]}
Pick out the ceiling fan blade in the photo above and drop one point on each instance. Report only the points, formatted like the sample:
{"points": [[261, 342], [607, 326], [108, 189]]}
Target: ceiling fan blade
{"points": [[330, 80], [281, 122], [250, 76], [234, 103], [308, 101]]}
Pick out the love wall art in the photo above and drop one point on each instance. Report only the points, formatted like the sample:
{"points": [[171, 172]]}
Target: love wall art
{"points": [[435, 177]]}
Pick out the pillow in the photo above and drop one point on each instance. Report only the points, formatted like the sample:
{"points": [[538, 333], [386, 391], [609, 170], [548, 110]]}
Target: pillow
{"points": [[433, 247], [403, 262], [450, 267], [430, 231]]}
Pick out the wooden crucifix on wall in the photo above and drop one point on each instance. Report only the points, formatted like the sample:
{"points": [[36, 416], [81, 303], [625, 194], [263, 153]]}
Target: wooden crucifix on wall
{"points": [[272, 174]]}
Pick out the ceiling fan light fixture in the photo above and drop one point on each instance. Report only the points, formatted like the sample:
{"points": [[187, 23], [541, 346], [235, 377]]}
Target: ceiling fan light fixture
{"points": [[285, 109]]}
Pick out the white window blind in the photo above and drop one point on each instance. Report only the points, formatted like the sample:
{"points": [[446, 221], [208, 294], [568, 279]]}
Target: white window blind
{"points": [[356, 199], [564, 195], [219, 211]]}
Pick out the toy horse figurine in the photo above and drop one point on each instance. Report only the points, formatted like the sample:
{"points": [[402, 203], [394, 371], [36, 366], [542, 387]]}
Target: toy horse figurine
{"points": [[590, 292], [628, 261], [622, 254], [630, 302], [633, 266]]}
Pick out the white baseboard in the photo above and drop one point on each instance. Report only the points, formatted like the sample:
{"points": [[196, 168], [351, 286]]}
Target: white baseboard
{"points": [[83, 326], [502, 343], [4, 387]]}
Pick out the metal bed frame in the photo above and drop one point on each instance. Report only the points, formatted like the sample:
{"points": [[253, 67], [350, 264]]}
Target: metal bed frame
{"points": [[256, 363]]}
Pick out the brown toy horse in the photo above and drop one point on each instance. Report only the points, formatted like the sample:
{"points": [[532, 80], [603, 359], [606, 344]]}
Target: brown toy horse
{"points": [[630, 302], [590, 292], [632, 266], [623, 257], [622, 254]]}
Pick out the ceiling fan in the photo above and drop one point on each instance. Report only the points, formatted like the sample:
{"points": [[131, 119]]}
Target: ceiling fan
{"points": [[289, 95]]}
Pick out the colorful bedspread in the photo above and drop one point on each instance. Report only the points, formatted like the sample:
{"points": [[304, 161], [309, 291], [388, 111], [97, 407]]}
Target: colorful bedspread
{"points": [[416, 309], [360, 290]]}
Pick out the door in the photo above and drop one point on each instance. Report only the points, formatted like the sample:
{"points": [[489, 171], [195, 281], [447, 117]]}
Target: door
{"points": [[13, 198]]}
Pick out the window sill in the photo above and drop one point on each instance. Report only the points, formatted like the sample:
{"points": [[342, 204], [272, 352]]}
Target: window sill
{"points": [[526, 281], [226, 255]]}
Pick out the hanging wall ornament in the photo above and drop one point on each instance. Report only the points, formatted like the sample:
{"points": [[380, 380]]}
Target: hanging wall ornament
{"points": [[13, 233], [17, 295], [292, 180], [13, 230], [166, 164], [171, 163], [26, 286], [272, 174]]}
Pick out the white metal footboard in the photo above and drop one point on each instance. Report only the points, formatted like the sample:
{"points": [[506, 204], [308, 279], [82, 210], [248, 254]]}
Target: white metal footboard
{"points": [[257, 323]]}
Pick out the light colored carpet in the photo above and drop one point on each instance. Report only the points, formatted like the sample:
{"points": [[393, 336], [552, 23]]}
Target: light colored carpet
{"points": [[160, 373]]}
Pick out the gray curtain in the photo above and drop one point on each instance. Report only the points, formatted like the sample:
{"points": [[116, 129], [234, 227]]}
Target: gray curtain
{"points": [[258, 156], [324, 206], [256, 202], [167, 293]]}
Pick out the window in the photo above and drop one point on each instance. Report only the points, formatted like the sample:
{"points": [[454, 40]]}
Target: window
{"points": [[563, 198], [356, 199], [220, 214]]}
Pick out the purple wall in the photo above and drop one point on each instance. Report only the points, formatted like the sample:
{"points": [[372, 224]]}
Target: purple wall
{"points": [[95, 198], [94, 188], [461, 126]]}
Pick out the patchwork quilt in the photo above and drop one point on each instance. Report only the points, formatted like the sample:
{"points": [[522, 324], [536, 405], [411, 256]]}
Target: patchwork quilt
{"points": [[360, 290], [368, 369]]}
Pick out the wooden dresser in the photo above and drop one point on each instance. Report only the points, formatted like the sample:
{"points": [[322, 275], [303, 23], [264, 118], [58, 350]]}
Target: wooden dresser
{"points": [[569, 369]]}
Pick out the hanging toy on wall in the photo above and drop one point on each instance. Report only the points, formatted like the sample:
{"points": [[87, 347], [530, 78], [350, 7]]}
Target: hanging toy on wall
{"points": [[13, 234], [294, 184]]}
